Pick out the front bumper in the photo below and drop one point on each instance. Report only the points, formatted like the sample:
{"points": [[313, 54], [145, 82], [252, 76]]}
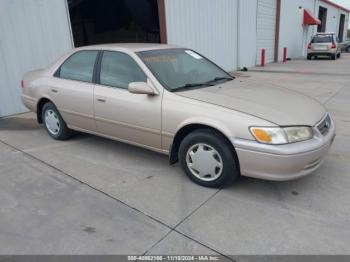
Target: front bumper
{"points": [[283, 162]]}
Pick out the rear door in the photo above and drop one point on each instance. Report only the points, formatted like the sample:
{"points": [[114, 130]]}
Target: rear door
{"points": [[72, 89], [133, 118]]}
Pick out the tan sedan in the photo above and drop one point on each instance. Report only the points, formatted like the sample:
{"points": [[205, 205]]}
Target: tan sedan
{"points": [[175, 101]]}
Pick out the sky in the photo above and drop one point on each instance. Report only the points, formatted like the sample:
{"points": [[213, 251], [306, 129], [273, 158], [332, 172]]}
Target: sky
{"points": [[345, 3]]}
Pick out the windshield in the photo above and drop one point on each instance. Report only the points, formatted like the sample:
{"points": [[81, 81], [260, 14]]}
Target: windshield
{"points": [[179, 69]]}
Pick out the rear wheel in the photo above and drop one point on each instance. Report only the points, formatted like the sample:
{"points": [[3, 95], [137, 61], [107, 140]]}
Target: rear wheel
{"points": [[309, 57], [334, 57], [207, 159], [54, 123]]}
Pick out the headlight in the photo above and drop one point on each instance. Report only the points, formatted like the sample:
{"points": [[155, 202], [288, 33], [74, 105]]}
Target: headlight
{"points": [[281, 135], [296, 134]]}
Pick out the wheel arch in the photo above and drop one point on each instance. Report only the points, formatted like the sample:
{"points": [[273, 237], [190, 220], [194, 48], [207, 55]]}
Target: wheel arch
{"points": [[39, 107], [191, 127]]}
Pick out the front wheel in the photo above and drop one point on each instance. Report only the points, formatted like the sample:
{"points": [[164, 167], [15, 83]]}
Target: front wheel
{"points": [[54, 123], [208, 159]]}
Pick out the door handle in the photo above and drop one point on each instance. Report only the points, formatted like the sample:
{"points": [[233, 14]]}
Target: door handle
{"points": [[54, 90], [101, 100]]}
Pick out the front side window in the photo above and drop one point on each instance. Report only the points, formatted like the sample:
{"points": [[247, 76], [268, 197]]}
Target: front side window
{"points": [[119, 69], [181, 68], [79, 66]]}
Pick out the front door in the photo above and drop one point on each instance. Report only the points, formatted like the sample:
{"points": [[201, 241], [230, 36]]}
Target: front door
{"points": [[133, 118]]}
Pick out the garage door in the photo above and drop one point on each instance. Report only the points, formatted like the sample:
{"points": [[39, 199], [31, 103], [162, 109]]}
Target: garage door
{"points": [[33, 34], [207, 27], [266, 24]]}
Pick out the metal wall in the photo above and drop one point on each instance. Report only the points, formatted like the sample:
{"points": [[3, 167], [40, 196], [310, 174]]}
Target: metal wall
{"points": [[333, 15], [333, 18], [33, 34], [209, 27], [247, 38], [293, 34], [266, 26]]}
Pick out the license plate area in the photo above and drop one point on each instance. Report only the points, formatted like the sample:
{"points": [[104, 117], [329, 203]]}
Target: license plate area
{"points": [[321, 48]]}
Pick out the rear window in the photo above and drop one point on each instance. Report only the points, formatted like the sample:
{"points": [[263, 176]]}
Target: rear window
{"points": [[323, 39], [79, 66]]}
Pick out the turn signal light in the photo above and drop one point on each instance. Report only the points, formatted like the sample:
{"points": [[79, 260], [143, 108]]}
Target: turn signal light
{"points": [[262, 135]]}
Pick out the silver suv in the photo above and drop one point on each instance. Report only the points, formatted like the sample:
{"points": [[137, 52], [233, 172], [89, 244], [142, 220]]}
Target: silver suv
{"points": [[324, 44]]}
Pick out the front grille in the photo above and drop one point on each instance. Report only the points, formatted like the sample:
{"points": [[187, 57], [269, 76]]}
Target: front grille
{"points": [[325, 125]]}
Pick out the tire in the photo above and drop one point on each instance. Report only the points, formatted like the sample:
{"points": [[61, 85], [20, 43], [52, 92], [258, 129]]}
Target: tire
{"points": [[334, 57], [216, 151], [309, 57], [339, 55], [348, 49], [54, 123]]}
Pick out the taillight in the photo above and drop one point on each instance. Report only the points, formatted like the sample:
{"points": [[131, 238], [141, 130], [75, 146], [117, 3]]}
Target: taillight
{"points": [[334, 45], [22, 84], [309, 46]]}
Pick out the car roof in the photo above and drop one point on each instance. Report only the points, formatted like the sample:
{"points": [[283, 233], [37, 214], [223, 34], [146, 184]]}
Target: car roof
{"points": [[134, 47], [330, 33]]}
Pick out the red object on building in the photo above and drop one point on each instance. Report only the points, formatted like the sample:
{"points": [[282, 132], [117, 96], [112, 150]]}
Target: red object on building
{"points": [[285, 55], [310, 19], [263, 57]]}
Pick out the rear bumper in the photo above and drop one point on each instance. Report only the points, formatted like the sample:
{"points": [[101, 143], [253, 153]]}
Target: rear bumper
{"points": [[29, 102], [283, 162], [322, 53]]}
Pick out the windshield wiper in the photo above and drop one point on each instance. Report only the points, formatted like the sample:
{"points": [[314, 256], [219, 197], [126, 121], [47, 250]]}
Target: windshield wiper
{"points": [[208, 83], [219, 79], [190, 85]]}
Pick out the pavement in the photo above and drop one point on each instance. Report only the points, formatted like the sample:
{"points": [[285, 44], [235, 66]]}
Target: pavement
{"points": [[90, 195]]}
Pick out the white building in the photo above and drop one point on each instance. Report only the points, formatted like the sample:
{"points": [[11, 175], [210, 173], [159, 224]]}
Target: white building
{"points": [[234, 39], [230, 32]]}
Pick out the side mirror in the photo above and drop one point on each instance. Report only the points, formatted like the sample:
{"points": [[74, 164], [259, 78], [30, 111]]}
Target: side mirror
{"points": [[140, 88]]}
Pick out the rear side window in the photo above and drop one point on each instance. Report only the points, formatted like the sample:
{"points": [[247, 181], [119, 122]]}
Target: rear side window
{"points": [[119, 69], [79, 66], [323, 39]]}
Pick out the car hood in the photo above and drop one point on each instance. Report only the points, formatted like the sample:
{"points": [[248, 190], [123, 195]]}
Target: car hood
{"points": [[274, 104]]}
